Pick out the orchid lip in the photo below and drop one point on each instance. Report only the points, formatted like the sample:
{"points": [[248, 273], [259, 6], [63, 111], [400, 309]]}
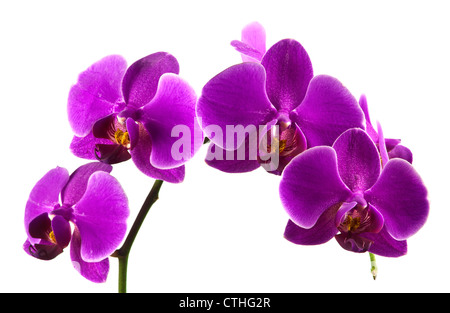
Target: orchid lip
{"points": [[113, 128], [53, 236], [354, 221], [354, 218], [354, 243], [111, 154]]}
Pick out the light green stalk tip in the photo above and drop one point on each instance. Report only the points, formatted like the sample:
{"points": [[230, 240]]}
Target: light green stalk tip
{"points": [[373, 266]]}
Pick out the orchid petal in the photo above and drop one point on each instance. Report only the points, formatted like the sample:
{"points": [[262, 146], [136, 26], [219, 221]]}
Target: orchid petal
{"points": [[248, 53], [96, 272], [141, 79], [327, 111], [391, 143], [95, 94], [385, 245], [172, 109], [141, 152], [289, 71], [233, 161], [324, 230], [401, 197], [100, 216], [358, 159], [369, 127], [311, 184], [76, 186], [382, 146], [45, 196], [235, 97], [401, 152]]}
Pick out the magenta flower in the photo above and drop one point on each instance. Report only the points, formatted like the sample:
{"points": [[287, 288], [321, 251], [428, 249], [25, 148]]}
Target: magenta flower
{"points": [[393, 147], [280, 91], [93, 201], [118, 113], [343, 192]]}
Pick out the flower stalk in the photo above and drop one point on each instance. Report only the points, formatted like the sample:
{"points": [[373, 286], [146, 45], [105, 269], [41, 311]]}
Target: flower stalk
{"points": [[123, 253], [373, 265]]}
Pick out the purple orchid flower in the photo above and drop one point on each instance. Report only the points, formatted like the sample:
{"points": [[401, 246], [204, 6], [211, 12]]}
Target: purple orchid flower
{"points": [[343, 192], [118, 113], [93, 201], [280, 91], [393, 147]]}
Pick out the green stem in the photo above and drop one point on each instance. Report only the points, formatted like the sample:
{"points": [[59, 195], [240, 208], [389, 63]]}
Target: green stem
{"points": [[123, 253], [373, 265], [123, 266]]}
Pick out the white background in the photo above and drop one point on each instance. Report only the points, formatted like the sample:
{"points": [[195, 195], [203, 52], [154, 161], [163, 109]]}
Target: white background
{"points": [[220, 232]]}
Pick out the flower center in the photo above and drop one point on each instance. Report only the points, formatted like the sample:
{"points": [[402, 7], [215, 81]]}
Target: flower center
{"points": [[355, 221], [114, 129], [122, 138], [280, 145], [52, 237], [287, 142], [360, 219], [351, 223]]}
